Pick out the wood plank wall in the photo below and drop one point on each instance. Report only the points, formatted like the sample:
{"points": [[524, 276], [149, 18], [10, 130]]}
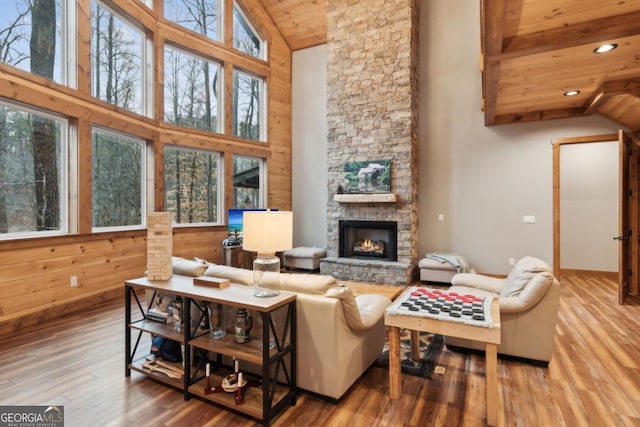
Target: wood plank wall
{"points": [[35, 273]]}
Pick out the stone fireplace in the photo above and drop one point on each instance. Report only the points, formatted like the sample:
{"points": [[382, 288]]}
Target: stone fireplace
{"points": [[372, 112]]}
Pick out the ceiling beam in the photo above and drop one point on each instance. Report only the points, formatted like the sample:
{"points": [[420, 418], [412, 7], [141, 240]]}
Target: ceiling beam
{"points": [[611, 88], [492, 19], [535, 116], [597, 30]]}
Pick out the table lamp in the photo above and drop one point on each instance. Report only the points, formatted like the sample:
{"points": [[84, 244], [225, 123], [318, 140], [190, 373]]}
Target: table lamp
{"points": [[267, 232]]}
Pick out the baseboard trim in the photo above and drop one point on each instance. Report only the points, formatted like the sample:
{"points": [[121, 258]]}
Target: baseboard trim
{"points": [[611, 275]]}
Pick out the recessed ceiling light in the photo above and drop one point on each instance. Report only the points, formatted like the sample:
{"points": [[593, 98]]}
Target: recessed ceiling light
{"points": [[608, 47], [571, 93]]}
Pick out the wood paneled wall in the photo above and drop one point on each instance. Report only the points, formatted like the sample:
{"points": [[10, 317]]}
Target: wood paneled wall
{"points": [[35, 273]]}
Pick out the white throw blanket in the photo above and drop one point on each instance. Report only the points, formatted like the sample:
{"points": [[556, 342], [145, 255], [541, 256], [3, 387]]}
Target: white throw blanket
{"points": [[458, 262]]}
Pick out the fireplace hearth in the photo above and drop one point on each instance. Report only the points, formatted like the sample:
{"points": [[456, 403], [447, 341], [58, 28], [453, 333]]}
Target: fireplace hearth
{"points": [[376, 240]]}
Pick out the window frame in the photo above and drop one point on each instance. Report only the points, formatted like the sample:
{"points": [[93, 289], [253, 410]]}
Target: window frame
{"points": [[219, 192], [147, 79], [65, 193], [220, 100], [263, 51], [143, 180], [262, 105], [219, 20], [262, 176]]}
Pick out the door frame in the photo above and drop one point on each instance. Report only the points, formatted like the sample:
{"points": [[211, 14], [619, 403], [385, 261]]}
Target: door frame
{"points": [[629, 280]]}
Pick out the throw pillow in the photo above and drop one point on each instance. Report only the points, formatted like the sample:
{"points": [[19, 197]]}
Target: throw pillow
{"points": [[186, 267]]}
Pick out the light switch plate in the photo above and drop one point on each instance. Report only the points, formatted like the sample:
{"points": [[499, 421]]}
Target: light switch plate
{"points": [[529, 219]]}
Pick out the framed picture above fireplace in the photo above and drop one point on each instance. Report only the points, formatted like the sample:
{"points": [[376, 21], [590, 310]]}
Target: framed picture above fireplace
{"points": [[365, 177]]}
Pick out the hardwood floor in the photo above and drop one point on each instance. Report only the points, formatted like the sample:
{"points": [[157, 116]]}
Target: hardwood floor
{"points": [[593, 379]]}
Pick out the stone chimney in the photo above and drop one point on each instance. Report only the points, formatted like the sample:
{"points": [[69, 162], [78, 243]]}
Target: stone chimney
{"points": [[372, 80]]}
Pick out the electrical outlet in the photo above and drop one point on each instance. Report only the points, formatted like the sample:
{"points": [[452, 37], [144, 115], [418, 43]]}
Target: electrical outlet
{"points": [[512, 261], [74, 281], [440, 217]]}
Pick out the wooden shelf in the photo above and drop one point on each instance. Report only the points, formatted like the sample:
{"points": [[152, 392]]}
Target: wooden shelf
{"points": [[250, 351], [252, 396], [366, 198]]}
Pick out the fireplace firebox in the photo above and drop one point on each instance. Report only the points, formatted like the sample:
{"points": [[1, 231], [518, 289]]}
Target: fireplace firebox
{"points": [[368, 240]]}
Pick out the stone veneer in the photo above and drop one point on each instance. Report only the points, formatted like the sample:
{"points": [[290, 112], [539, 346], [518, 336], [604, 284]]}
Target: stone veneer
{"points": [[372, 80]]}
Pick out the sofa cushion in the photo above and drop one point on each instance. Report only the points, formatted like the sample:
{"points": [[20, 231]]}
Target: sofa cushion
{"points": [[187, 267], [306, 283], [524, 270]]}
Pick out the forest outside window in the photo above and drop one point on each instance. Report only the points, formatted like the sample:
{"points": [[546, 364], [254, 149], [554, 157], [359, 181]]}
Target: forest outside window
{"points": [[33, 184], [34, 34], [201, 16], [191, 88], [118, 165], [192, 185], [248, 114], [248, 182], [117, 60]]}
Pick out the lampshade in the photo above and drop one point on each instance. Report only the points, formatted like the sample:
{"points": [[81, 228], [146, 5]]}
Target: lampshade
{"points": [[267, 231]]}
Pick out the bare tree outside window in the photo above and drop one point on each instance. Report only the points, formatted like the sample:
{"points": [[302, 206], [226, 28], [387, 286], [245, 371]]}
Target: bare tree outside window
{"points": [[190, 90], [116, 60], [191, 185], [245, 38], [247, 90], [200, 16], [32, 25]]}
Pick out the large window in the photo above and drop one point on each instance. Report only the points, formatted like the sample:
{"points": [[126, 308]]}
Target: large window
{"points": [[201, 16], [248, 182], [33, 35], [245, 38], [33, 158], [248, 95], [191, 88], [117, 60], [192, 185], [117, 180]]}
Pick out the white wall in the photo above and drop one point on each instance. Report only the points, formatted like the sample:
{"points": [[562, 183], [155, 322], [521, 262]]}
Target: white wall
{"points": [[589, 206], [482, 179], [309, 152]]}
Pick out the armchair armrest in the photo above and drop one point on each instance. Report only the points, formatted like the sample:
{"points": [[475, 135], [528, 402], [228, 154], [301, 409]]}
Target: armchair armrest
{"points": [[478, 281], [361, 312]]}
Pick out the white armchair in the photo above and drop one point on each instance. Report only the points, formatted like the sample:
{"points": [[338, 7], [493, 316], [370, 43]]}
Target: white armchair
{"points": [[529, 299]]}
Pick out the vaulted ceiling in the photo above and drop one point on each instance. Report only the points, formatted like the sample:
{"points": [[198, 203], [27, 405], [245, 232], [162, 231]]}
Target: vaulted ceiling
{"points": [[532, 52]]}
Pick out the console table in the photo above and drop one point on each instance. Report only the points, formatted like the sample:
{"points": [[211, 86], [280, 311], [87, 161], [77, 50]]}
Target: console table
{"points": [[262, 402], [489, 335]]}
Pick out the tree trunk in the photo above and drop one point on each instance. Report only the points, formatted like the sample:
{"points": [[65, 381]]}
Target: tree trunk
{"points": [[42, 50]]}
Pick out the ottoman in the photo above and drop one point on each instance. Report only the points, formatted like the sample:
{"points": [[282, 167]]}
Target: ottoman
{"points": [[303, 257], [441, 267]]}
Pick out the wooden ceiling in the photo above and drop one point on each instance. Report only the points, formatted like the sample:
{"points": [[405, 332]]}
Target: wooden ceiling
{"points": [[303, 23], [532, 52]]}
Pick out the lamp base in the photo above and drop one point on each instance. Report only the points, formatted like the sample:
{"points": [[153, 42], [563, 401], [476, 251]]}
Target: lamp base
{"points": [[266, 270]]}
